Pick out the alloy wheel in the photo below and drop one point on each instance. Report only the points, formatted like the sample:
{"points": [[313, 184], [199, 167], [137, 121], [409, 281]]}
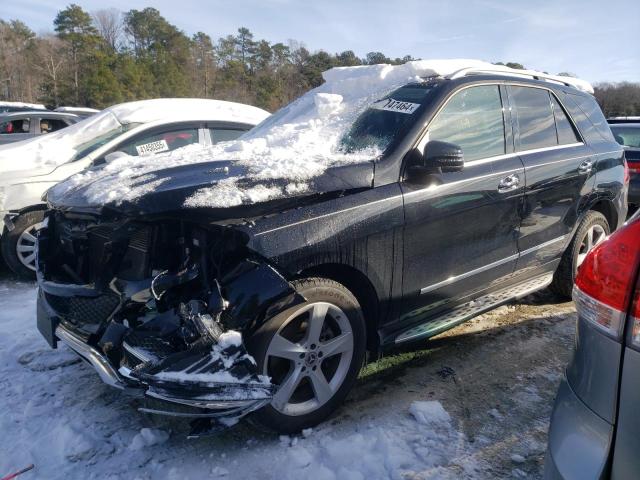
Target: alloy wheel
{"points": [[595, 235], [26, 247], [309, 357]]}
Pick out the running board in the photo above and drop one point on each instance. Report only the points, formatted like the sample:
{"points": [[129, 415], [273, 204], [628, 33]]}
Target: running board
{"points": [[473, 308]]}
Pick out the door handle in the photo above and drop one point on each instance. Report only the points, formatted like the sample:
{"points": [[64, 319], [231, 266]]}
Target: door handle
{"points": [[510, 183], [585, 167]]}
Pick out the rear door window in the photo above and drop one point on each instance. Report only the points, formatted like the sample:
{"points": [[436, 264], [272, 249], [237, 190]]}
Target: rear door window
{"points": [[534, 118], [473, 120], [224, 134], [566, 131], [158, 142]]}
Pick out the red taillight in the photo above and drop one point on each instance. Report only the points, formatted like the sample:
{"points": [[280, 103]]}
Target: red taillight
{"points": [[635, 317], [603, 287], [633, 166]]}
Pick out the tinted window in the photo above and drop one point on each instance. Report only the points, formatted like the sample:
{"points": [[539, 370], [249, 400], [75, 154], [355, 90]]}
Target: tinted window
{"points": [[534, 118], [627, 136], [473, 120], [224, 134], [160, 142], [15, 126], [566, 132], [592, 110]]}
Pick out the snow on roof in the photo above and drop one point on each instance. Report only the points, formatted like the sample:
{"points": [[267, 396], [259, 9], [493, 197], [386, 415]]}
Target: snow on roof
{"points": [[59, 147], [35, 106], [76, 109], [145, 111], [297, 143]]}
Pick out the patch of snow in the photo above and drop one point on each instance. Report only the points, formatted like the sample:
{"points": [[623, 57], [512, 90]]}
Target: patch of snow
{"points": [[148, 437], [76, 109], [35, 106], [515, 458], [429, 413], [230, 338]]}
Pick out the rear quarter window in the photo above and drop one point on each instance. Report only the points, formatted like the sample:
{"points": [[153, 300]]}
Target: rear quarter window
{"points": [[589, 106]]}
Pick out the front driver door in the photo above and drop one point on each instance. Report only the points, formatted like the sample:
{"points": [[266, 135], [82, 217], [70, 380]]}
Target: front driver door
{"points": [[461, 230]]}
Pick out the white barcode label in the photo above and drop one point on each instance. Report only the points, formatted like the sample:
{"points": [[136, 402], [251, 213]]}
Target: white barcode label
{"points": [[153, 147], [392, 105]]}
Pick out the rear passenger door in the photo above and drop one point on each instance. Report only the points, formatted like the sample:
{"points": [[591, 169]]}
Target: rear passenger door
{"points": [[558, 170]]}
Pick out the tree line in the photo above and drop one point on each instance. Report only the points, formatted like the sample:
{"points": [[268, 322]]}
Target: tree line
{"points": [[105, 57]]}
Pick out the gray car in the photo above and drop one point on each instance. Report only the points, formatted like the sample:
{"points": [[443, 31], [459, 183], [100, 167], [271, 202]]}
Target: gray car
{"points": [[17, 126], [595, 428]]}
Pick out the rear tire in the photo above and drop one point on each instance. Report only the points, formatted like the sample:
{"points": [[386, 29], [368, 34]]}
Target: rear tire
{"points": [[18, 245], [316, 375], [592, 230]]}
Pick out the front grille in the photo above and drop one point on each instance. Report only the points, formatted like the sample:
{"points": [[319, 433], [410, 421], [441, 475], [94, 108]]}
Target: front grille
{"points": [[83, 310]]}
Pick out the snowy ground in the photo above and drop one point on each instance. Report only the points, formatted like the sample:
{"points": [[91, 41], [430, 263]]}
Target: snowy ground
{"points": [[474, 403]]}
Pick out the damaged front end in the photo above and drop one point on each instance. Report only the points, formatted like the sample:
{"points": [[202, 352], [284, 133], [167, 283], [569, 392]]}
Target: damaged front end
{"points": [[160, 309]]}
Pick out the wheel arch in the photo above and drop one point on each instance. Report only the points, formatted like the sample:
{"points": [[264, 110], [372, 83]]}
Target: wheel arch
{"points": [[606, 208], [362, 288]]}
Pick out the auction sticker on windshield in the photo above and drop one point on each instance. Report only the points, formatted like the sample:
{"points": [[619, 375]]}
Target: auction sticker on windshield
{"points": [[152, 147], [391, 105]]}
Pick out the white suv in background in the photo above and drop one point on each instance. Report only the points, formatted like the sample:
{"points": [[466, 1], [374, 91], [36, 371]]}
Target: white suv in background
{"points": [[29, 168]]}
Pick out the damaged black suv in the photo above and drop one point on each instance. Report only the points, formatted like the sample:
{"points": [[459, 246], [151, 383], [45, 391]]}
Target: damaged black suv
{"points": [[488, 187]]}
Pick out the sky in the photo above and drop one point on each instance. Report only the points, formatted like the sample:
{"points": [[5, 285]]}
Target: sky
{"points": [[595, 39]]}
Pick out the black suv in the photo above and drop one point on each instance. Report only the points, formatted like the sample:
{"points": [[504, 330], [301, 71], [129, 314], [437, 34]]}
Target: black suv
{"points": [[494, 187]]}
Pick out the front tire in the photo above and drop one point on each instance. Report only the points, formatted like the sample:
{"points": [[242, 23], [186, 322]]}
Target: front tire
{"points": [[19, 245], [313, 352], [593, 229]]}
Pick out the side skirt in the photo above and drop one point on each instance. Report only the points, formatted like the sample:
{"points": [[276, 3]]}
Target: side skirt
{"points": [[473, 308]]}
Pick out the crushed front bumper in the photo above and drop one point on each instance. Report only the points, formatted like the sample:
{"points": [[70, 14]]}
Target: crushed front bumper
{"points": [[179, 398]]}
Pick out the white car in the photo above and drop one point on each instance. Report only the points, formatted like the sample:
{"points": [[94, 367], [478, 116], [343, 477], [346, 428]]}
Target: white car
{"points": [[29, 168]]}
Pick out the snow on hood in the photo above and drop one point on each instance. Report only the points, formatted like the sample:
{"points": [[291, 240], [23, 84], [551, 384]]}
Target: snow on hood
{"points": [[53, 149], [296, 144]]}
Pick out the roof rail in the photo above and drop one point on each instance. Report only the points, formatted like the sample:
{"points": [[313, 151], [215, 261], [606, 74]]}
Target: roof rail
{"points": [[511, 73]]}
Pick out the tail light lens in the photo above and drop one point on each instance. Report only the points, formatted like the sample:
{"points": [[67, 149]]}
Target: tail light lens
{"points": [[633, 166], [605, 281]]}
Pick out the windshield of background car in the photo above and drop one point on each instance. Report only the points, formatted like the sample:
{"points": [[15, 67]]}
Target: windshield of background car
{"points": [[387, 119], [86, 148], [627, 136]]}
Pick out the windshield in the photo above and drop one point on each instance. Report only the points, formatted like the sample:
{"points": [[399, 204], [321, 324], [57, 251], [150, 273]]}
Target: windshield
{"points": [[387, 119], [97, 142], [626, 135]]}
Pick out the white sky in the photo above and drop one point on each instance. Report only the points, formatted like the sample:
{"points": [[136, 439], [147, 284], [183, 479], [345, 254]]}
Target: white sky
{"points": [[596, 39]]}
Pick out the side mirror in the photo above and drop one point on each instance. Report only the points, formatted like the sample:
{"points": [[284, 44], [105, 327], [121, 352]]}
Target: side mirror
{"points": [[445, 156]]}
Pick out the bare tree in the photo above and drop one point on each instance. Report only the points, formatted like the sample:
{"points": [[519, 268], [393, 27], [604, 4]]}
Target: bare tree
{"points": [[110, 26], [51, 64]]}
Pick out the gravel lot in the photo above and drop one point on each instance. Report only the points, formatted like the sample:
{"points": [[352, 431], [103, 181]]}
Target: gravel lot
{"points": [[495, 376]]}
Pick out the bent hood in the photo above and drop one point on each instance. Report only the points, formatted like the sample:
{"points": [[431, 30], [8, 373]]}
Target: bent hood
{"points": [[215, 185]]}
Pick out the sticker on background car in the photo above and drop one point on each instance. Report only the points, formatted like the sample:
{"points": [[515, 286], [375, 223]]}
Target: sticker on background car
{"points": [[152, 147]]}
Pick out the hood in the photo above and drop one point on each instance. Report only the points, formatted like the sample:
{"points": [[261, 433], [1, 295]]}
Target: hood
{"points": [[169, 190]]}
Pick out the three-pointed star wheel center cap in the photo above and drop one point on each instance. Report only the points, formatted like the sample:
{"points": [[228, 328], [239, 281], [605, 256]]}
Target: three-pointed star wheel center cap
{"points": [[311, 359]]}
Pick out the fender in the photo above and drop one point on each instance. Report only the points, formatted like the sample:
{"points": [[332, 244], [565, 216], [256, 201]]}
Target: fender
{"points": [[255, 292]]}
